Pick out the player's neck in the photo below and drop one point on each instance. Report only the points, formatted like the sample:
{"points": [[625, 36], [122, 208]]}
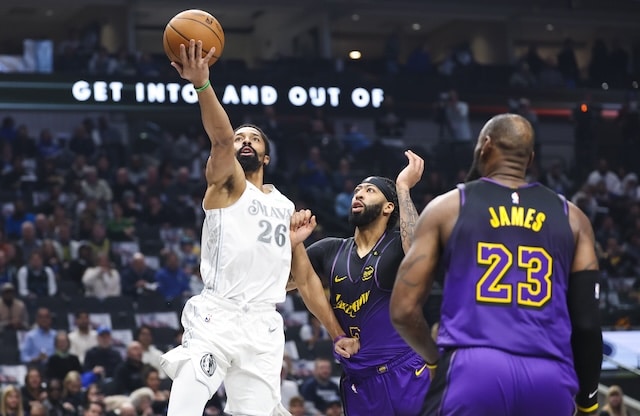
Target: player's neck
{"points": [[508, 177], [256, 178], [367, 236]]}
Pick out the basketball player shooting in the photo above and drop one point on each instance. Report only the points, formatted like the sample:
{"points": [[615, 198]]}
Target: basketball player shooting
{"points": [[233, 332], [520, 323]]}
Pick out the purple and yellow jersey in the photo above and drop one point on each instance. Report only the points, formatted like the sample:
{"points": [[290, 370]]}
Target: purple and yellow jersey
{"points": [[507, 266], [360, 292]]}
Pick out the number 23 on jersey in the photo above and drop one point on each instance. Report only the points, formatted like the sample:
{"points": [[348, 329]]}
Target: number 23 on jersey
{"points": [[534, 264]]}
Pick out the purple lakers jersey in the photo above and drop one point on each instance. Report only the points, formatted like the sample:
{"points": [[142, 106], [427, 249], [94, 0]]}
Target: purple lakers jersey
{"points": [[360, 292], [507, 266]]}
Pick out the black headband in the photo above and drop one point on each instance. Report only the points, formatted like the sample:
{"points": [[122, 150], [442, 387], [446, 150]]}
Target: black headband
{"points": [[383, 186]]}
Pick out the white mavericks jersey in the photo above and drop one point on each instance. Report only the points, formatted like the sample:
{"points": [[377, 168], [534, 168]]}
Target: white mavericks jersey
{"points": [[246, 248]]}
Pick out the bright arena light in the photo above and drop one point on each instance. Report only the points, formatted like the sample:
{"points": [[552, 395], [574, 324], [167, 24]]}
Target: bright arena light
{"points": [[355, 55]]}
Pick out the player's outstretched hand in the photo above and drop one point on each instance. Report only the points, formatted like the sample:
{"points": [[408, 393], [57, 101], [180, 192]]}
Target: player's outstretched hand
{"points": [[303, 222], [346, 347], [194, 67], [411, 174]]}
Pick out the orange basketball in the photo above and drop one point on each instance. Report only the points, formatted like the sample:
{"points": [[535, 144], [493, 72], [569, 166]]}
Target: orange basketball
{"points": [[196, 25]]}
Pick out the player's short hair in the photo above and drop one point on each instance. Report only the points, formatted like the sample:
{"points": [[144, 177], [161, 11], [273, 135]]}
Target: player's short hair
{"points": [[267, 143]]}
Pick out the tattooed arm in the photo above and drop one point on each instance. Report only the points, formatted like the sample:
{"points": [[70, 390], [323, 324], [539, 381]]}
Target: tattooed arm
{"points": [[406, 180], [416, 274]]}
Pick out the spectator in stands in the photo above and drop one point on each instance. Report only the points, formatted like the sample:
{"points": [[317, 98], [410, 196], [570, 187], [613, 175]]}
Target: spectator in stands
{"points": [[122, 184], [615, 402], [313, 331], [296, 406], [101, 63], [334, 408], [47, 148], [7, 271], [616, 262], [95, 409], [39, 343], [142, 400], [28, 242], [79, 265], [151, 379], [138, 279], [100, 243], [51, 257], [62, 362], [150, 353], [94, 187], [314, 181], [102, 359], [72, 390], [53, 403], [103, 280], [128, 374], [42, 227], [156, 212], [342, 203], [93, 394], [173, 282], [13, 312], [630, 188], [457, 115], [81, 144], [8, 130], [32, 391], [318, 391], [602, 173], [11, 402], [83, 337], [127, 409], [568, 65], [38, 409]]}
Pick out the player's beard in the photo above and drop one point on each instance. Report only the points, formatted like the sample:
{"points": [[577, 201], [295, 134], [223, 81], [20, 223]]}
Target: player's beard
{"points": [[366, 216], [249, 163]]}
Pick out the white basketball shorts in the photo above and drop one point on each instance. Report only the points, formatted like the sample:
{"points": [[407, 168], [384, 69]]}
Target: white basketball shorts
{"points": [[240, 345]]}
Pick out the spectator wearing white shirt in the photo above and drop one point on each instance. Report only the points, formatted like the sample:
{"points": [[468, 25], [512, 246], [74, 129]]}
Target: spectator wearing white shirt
{"points": [[150, 353], [603, 173], [83, 337], [103, 280]]}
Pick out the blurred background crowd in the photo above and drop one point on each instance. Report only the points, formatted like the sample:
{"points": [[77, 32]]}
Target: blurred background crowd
{"points": [[101, 216]]}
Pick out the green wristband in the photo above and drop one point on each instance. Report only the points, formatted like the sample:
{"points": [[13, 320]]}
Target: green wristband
{"points": [[204, 87]]}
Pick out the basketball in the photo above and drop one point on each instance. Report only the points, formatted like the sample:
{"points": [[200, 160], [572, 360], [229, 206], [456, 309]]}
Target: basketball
{"points": [[196, 25]]}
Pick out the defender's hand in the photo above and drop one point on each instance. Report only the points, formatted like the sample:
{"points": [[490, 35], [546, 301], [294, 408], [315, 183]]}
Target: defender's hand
{"points": [[302, 225], [346, 347], [411, 174]]}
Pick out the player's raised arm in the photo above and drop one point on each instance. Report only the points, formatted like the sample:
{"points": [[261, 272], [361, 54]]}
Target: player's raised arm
{"points": [[406, 180], [415, 278], [195, 68], [583, 299]]}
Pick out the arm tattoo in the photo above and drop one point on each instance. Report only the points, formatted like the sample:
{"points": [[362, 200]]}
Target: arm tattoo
{"points": [[408, 217]]}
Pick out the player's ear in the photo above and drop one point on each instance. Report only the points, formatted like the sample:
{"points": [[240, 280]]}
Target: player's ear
{"points": [[388, 208], [531, 158], [486, 145], [265, 160]]}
